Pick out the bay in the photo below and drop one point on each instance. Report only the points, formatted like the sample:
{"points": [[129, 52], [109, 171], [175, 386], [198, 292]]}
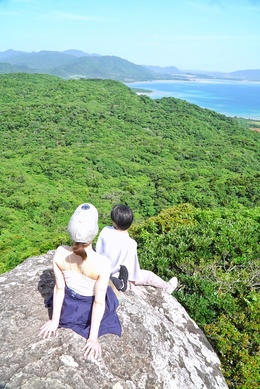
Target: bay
{"points": [[231, 98]]}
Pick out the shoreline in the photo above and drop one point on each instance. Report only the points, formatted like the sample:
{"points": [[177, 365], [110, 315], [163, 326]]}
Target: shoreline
{"points": [[198, 80], [229, 98]]}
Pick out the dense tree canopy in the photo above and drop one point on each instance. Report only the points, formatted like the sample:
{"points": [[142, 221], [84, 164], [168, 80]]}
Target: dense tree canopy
{"points": [[190, 175], [215, 254]]}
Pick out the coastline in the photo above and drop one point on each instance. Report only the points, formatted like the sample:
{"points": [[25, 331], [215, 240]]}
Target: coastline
{"points": [[199, 80], [233, 98]]}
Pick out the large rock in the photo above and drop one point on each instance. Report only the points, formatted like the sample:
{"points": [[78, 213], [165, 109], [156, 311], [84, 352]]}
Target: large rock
{"points": [[160, 347]]}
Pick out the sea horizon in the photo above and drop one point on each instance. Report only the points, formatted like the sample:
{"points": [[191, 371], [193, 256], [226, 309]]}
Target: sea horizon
{"points": [[233, 98]]}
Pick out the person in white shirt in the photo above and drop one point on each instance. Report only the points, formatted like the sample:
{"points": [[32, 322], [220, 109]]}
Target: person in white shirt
{"points": [[115, 243]]}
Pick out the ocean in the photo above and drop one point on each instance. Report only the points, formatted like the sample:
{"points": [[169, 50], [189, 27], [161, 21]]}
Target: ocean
{"points": [[231, 98]]}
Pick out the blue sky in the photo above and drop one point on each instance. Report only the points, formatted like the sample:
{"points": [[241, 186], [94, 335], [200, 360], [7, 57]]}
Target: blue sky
{"points": [[218, 35]]}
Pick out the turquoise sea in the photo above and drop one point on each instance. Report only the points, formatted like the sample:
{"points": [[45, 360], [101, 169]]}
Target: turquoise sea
{"points": [[231, 98]]}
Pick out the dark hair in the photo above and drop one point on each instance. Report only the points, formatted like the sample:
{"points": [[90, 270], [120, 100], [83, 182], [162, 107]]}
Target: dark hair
{"points": [[122, 216], [79, 249]]}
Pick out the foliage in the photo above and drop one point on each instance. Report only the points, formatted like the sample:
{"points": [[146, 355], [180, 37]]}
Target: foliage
{"points": [[68, 142], [215, 254]]}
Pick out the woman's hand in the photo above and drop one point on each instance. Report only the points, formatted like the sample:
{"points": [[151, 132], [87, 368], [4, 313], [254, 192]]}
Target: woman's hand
{"points": [[49, 328], [92, 346]]}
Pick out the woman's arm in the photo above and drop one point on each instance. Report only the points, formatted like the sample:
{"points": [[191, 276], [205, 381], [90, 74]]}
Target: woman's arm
{"points": [[98, 311], [50, 327]]}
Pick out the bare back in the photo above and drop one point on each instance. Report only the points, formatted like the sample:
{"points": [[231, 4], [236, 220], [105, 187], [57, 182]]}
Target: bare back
{"points": [[93, 266]]}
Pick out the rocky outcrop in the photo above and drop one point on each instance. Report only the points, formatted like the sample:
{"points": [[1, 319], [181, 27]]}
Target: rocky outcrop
{"points": [[160, 347]]}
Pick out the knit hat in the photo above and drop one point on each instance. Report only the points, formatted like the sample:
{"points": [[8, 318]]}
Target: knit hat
{"points": [[83, 224]]}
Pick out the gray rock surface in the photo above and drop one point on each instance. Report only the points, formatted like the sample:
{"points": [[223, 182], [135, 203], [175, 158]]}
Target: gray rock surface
{"points": [[160, 347]]}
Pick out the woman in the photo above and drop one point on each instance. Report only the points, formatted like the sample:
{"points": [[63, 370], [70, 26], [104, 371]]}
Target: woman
{"points": [[82, 299]]}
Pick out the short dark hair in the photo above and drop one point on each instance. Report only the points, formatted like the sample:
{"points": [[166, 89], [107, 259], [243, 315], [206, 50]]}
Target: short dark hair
{"points": [[122, 216]]}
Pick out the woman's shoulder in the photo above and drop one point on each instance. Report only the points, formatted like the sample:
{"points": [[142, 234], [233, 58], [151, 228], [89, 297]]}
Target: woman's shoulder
{"points": [[64, 248], [61, 252], [101, 261]]}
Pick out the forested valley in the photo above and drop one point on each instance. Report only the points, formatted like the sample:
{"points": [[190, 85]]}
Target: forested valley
{"points": [[190, 175]]}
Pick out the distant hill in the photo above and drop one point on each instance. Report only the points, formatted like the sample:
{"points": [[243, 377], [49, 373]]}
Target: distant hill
{"points": [[104, 67], [8, 68], [75, 64], [79, 53], [167, 73], [250, 74], [78, 64], [164, 70], [41, 60], [9, 54]]}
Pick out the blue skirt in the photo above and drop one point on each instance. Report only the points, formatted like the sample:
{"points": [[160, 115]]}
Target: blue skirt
{"points": [[76, 313]]}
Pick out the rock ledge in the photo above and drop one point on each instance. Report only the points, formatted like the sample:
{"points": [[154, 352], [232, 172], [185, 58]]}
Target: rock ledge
{"points": [[160, 347]]}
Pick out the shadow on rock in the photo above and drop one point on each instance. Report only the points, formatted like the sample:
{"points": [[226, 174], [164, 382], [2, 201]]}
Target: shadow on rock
{"points": [[45, 287]]}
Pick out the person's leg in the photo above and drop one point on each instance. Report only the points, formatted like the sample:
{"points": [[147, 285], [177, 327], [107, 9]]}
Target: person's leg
{"points": [[120, 282], [117, 282], [150, 278], [116, 291], [123, 276]]}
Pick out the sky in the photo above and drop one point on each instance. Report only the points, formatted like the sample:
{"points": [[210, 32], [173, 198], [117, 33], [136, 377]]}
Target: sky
{"points": [[212, 35]]}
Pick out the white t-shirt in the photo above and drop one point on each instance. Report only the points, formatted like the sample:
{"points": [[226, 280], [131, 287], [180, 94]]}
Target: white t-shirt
{"points": [[121, 249]]}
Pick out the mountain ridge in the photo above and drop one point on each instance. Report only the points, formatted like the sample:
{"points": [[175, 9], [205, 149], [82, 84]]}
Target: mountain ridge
{"points": [[78, 64]]}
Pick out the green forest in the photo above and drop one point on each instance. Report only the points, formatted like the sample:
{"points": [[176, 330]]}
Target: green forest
{"points": [[190, 175]]}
